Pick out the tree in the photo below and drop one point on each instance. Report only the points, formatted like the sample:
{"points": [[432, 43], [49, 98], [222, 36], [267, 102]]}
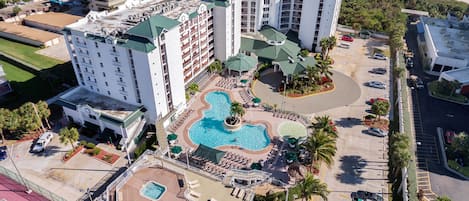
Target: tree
{"points": [[3, 4], [324, 123], [30, 120], [380, 108], [443, 198], [4, 114], [193, 88], [43, 111], [237, 110], [69, 136], [13, 121], [399, 152], [313, 74], [295, 80], [311, 186], [460, 144], [304, 53], [16, 10], [324, 68], [356, 27], [331, 43], [215, 67], [321, 147], [324, 44]]}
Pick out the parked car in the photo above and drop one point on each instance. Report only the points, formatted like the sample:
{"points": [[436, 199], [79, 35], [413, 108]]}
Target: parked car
{"points": [[3, 153], [379, 56], [347, 38], [409, 63], [380, 71], [449, 136], [345, 45], [42, 142], [377, 132], [365, 195], [376, 84], [373, 100]]}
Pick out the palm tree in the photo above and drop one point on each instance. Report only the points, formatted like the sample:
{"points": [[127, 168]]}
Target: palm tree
{"points": [[331, 43], [30, 121], [237, 109], [311, 186], [69, 136], [4, 114], [400, 154], [215, 67], [193, 88], [44, 111], [325, 123], [13, 121], [295, 80], [324, 44], [313, 75], [325, 68], [321, 147]]}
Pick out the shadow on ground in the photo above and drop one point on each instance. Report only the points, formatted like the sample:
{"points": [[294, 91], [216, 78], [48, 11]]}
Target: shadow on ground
{"points": [[348, 122], [352, 167]]}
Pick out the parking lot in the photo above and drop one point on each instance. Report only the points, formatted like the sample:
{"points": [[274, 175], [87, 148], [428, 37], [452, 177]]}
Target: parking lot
{"points": [[68, 180], [361, 159]]}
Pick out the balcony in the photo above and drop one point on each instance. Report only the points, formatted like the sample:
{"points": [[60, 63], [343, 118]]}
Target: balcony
{"points": [[78, 44], [185, 46], [187, 70], [184, 37], [119, 73], [121, 83], [184, 55], [186, 63]]}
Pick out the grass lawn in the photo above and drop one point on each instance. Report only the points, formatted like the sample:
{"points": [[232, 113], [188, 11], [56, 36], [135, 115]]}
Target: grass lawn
{"points": [[455, 166], [27, 54], [14, 73]]}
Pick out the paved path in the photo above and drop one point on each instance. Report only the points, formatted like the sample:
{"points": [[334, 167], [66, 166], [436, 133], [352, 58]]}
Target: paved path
{"points": [[10, 190], [346, 92]]}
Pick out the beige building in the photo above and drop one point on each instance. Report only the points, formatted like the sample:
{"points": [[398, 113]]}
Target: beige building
{"points": [[28, 35], [51, 21], [100, 5]]}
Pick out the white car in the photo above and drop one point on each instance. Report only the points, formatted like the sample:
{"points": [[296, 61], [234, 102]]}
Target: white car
{"points": [[42, 142], [377, 132], [379, 56], [376, 84]]}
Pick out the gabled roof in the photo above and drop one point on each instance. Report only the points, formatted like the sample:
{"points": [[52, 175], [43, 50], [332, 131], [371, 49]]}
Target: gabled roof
{"points": [[153, 27], [271, 34], [272, 52], [138, 43]]}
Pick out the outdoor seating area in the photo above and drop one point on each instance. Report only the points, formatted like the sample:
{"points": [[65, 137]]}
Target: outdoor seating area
{"points": [[247, 98], [182, 118], [274, 153], [240, 193], [226, 83], [286, 115]]}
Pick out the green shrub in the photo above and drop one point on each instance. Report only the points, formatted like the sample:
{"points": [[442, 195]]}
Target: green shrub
{"points": [[90, 145], [83, 142], [304, 53], [96, 151], [370, 116]]}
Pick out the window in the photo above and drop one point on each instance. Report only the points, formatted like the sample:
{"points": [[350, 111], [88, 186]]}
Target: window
{"points": [[108, 93], [122, 89], [104, 74], [96, 44], [91, 87], [113, 49], [120, 79], [99, 54], [125, 97], [106, 84], [101, 64], [116, 59], [119, 70], [89, 79], [253, 4], [92, 117]]}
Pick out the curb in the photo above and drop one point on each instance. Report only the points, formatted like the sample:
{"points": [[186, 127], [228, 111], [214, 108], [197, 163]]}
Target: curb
{"points": [[439, 132]]}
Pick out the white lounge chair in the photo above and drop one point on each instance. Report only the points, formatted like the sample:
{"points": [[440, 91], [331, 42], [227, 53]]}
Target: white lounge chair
{"points": [[195, 194]]}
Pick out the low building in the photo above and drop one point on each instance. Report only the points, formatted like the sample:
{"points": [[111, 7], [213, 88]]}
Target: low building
{"points": [[444, 43], [460, 75], [100, 5], [53, 22], [5, 87], [112, 119], [28, 35]]}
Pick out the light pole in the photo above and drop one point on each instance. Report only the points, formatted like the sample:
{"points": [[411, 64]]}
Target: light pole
{"points": [[284, 92], [89, 193], [28, 191], [37, 115]]}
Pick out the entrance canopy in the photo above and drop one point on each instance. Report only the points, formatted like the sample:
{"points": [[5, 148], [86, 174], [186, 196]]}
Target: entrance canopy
{"points": [[240, 63], [209, 153], [296, 66]]}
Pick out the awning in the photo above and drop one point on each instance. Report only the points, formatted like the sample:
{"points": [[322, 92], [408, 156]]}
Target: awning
{"points": [[240, 63], [176, 149], [209, 153], [172, 136]]}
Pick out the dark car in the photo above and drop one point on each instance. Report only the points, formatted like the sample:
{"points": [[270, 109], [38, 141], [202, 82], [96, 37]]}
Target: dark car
{"points": [[347, 38], [3, 153], [365, 195], [409, 63], [380, 71]]}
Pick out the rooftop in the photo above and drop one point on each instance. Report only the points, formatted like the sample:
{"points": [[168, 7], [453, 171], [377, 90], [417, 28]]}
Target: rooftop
{"points": [[462, 74], [100, 103], [59, 20], [27, 32], [448, 40], [134, 12]]}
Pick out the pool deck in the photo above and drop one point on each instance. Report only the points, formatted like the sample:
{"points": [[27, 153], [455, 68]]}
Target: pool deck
{"points": [[254, 115]]}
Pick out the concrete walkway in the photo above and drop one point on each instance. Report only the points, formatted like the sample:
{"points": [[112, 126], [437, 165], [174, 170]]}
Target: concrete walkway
{"points": [[345, 93]]}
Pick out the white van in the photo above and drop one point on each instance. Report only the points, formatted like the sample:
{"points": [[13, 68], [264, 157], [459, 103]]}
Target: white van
{"points": [[42, 142]]}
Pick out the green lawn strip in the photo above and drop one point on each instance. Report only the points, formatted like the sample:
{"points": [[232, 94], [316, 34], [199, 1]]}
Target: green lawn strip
{"points": [[14, 73], [27, 54], [455, 166]]}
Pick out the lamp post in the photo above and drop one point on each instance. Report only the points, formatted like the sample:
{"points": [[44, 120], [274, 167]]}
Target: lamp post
{"points": [[284, 92], [28, 191], [187, 157]]}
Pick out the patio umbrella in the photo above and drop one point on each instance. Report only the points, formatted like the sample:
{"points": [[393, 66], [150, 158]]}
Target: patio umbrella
{"points": [[256, 166], [244, 81], [176, 149], [172, 136], [240, 63], [291, 157], [292, 142], [256, 100]]}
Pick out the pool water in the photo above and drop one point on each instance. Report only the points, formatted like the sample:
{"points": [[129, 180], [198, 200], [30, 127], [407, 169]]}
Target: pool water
{"points": [[153, 190], [210, 130]]}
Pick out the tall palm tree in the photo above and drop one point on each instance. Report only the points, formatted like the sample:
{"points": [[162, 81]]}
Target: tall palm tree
{"points": [[331, 43], [324, 123], [325, 68], [44, 111], [324, 44], [311, 186], [400, 154], [313, 74], [4, 114], [192, 88], [321, 147], [13, 121], [69, 136], [237, 109]]}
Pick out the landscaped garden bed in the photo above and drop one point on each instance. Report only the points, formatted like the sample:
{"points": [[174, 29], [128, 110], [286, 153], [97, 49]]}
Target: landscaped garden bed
{"points": [[98, 153], [69, 155], [461, 169], [446, 90]]}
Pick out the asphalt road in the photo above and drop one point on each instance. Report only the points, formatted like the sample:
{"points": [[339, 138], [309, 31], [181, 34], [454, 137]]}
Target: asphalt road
{"points": [[435, 113]]}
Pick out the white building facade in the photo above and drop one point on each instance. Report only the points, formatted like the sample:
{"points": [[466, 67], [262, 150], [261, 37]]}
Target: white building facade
{"points": [[311, 19], [144, 53]]}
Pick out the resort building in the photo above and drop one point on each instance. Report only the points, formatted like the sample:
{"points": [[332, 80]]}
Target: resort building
{"points": [[144, 53], [311, 20], [444, 43]]}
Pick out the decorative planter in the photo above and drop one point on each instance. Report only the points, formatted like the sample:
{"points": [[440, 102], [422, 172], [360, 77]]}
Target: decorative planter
{"points": [[235, 126], [75, 152]]}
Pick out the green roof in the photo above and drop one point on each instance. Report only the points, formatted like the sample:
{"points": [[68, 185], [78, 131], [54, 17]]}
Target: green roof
{"points": [[223, 3], [296, 65], [240, 63], [127, 121], [138, 43], [153, 27], [272, 52], [209, 153], [272, 34]]}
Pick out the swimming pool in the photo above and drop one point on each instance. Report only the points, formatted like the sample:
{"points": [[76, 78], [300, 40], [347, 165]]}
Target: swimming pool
{"points": [[211, 131], [152, 190]]}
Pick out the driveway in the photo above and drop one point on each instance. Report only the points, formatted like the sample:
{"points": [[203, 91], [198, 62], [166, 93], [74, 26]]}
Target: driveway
{"points": [[68, 180], [361, 159], [430, 113]]}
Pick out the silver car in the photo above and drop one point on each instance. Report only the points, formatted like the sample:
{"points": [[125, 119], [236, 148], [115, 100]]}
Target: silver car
{"points": [[377, 132], [376, 84], [42, 142]]}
